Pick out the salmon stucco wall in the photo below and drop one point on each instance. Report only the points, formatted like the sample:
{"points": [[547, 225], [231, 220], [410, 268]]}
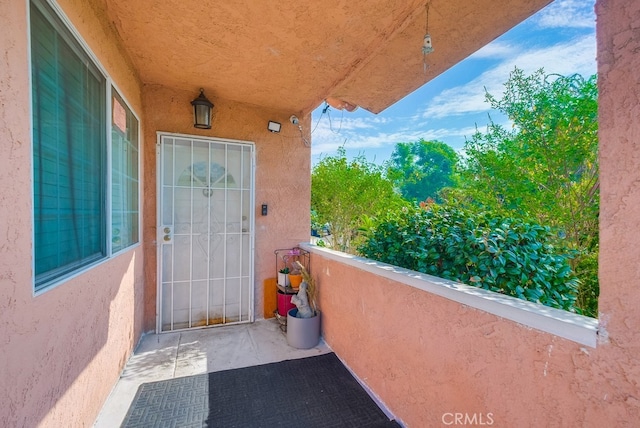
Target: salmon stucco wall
{"points": [[618, 35], [62, 351], [433, 361], [428, 358], [281, 178]]}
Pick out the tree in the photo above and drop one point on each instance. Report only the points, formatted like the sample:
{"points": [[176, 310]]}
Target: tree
{"points": [[545, 167], [347, 194], [421, 169]]}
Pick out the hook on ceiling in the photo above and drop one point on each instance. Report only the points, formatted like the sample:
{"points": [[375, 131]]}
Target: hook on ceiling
{"points": [[427, 45]]}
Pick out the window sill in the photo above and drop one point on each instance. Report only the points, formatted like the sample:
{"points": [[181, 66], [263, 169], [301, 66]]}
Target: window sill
{"points": [[80, 271]]}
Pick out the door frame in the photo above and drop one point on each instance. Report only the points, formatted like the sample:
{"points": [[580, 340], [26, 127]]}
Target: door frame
{"points": [[158, 238]]}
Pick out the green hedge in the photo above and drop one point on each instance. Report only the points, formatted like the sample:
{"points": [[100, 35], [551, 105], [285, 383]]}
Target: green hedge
{"points": [[506, 255]]}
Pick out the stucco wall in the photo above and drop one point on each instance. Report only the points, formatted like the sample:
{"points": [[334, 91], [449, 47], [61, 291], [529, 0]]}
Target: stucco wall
{"points": [[62, 351], [282, 175], [427, 357], [618, 32]]}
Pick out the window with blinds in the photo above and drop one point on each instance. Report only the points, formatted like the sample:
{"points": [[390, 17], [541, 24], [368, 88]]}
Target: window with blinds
{"points": [[124, 175], [70, 162]]}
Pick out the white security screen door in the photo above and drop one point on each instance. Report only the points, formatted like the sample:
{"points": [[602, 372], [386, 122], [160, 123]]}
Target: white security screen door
{"points": [[205, 232]]}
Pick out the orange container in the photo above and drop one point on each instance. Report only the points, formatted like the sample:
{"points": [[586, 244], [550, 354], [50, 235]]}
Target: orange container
{"points": [[295, 280]]}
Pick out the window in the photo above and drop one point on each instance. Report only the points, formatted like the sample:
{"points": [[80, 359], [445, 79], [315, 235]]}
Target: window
{"points": [[70, 164], [69, 149], [124, 175]]}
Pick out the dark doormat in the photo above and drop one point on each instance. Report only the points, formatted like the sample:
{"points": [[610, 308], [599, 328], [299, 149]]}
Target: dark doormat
{"points": [[309, 392]]}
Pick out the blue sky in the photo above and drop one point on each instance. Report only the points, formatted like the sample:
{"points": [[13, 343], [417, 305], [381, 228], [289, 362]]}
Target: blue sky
{"points": [[560, 38]]}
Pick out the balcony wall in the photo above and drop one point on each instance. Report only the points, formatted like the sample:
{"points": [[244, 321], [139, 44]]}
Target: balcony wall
{"points": [[430, 358]]}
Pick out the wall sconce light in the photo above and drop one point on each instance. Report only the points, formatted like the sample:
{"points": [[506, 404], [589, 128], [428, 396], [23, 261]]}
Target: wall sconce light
{"points": [[202, 111], [274, 126]]}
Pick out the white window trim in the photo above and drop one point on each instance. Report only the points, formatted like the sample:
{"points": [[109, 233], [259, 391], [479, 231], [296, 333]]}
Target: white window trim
{"points": [[109, 83], [574, 327]]}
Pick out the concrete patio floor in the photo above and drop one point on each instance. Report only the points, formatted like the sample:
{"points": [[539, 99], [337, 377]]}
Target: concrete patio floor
{"points": [[186, 353]]}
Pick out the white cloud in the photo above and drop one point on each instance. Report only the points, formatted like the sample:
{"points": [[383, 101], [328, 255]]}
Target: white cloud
{"points": [[355, 133], [324, 140], [497, 49], [567, 14], [574, 56], [349, 124]]}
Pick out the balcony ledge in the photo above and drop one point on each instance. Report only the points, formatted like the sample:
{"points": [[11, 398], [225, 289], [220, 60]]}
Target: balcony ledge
{"points": [[574, 327]]}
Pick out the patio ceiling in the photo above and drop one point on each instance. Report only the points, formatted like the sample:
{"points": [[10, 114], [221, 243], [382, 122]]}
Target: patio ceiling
{"points": [[290, 55]]}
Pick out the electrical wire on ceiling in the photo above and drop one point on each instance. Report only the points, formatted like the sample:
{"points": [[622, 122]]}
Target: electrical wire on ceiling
{"points": [[296, 122], [326, 110], [306, 142], [331, 123]]}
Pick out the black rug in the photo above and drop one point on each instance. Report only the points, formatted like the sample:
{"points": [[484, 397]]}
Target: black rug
{"points": [[310, 392]]}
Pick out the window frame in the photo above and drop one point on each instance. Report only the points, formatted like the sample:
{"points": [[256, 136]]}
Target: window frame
{"points": [[114, 91], [110, 89]]}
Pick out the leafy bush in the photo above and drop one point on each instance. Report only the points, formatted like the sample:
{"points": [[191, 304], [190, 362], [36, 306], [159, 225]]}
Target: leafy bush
{"points": [[587, 270], [502, 254]]}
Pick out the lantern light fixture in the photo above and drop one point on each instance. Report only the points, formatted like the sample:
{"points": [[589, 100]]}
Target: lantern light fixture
{"points": [[202, 111]]}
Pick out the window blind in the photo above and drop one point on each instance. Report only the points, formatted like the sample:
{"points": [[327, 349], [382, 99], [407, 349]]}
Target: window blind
{"points": [[69, 150]]}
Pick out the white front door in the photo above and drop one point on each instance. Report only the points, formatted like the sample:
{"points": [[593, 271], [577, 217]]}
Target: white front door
{"points": [[205, 232]]}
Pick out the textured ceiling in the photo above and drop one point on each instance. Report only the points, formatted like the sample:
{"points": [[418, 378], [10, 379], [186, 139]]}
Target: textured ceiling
{"points": [[290, 55]]}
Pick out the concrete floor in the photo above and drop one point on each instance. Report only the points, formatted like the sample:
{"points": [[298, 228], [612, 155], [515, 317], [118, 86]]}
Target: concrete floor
{"points": [[186, 353]]}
